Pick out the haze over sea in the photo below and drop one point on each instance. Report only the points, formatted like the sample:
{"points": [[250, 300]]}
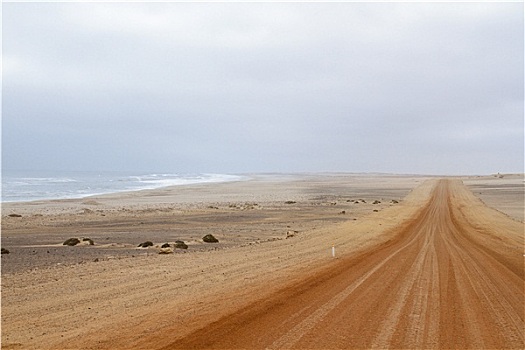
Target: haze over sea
{"points": [[18, 186]]}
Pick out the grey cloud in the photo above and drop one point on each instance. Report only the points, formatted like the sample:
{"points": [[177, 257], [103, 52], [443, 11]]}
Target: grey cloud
{"points": [[404, 87]]}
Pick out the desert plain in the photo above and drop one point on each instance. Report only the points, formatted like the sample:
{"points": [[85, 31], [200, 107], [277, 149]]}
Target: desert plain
{"points": [[318, 261]]}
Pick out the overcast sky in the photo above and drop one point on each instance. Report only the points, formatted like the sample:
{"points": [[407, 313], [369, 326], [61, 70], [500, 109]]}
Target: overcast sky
{"points": [[431, 88]]}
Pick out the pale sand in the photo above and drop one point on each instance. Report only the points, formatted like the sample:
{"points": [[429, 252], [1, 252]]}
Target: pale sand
{"points": [[130, 295], [502, 192]]}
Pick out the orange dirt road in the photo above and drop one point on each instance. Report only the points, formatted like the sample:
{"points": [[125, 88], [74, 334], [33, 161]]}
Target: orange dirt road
{"points": [[453, 277]]}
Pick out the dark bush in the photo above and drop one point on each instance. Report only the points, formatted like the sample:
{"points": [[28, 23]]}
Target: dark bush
{"points": [[71, 242], [146, 244], [210, 239], [88, 240], [181, 245]]}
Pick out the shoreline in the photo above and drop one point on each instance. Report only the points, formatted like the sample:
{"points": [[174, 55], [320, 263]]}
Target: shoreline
{"points": [[242, 177], [175, 179], [238, 213], [249, 177], [487, 188], [172, 189]]}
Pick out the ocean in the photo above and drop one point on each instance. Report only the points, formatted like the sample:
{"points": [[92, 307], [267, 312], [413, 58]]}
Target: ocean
{"points": [[21, 186]]}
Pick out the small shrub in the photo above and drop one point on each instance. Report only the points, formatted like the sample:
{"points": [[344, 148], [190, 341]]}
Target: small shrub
{"points": [[210, 239], [88, 240], [181, 245], [71, 242]]}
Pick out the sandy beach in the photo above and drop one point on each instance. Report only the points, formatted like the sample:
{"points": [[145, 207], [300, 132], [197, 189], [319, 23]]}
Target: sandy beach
{"points": [[239, 213], [274, 232]]}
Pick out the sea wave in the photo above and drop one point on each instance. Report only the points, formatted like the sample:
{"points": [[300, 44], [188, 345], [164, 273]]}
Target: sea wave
{"points": [[17, 188], [36, 180]]}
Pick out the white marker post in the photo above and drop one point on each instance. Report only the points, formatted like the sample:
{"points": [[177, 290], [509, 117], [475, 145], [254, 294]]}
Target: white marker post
{"points": [[333, 251]]}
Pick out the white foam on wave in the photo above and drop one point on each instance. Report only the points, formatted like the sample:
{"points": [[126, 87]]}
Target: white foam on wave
{"points": [[36, 180], [154, 181]]}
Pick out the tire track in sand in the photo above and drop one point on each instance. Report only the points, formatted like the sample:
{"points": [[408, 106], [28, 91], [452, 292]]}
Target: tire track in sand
{"points": [[292, 336], [430, 287], [424, 261]]}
